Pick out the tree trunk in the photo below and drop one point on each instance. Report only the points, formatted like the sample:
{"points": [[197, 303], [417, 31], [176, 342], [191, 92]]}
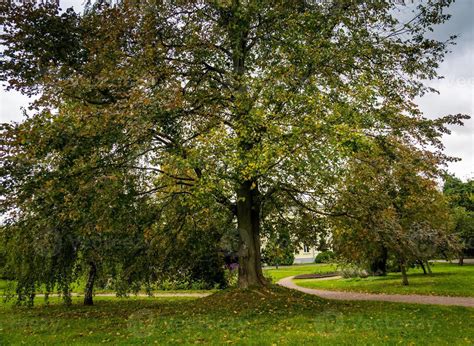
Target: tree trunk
{"points": [[248, 220], [248, 197], [428, 267], [422, 266], [403, 268], [88, 300], [461, 260]]}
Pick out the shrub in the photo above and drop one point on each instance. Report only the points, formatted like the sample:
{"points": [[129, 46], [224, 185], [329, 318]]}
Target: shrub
{"points": [[354, 272], [231, 277], [324, 257]]}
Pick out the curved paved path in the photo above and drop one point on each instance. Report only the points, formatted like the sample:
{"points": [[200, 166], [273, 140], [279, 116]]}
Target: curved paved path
{"points": [[399, 298]]}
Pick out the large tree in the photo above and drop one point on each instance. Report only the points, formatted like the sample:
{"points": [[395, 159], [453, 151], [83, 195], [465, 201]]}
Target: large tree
{"points": [[248, 103]]}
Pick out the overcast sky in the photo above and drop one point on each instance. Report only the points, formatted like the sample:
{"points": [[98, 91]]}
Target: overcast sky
{"points": [[456, 90]]}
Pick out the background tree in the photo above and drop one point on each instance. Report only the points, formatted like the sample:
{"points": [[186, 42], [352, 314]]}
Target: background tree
{"points": [[278, 249], [395, 209], [231, 100], [64, 223], [461, 197]]}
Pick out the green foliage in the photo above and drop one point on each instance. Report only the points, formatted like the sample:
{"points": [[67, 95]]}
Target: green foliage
{"points": [[3, 259], [231, 278], [396, 208], [188, 241], [351, 271], [179, 285], [278, 250], [324, 257], [461, 193], [461, 198], [68, 213]]}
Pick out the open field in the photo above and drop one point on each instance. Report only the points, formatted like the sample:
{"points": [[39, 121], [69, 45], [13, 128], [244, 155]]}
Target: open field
{"points": [[270, 316], [447, 280]]}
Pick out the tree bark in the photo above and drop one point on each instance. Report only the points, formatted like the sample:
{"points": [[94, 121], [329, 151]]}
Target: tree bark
{"points": [[422, 266], [88, 299], [403, 268], [248, 220], [461, 260], [428, 267]]}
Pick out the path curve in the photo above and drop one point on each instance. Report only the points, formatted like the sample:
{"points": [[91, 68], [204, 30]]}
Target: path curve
{"points": [[399, 298]]}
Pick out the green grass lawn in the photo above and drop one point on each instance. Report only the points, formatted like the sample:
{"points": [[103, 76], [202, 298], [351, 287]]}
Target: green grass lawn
{"points": [[447, 279], [264, 317], [298, 269]]}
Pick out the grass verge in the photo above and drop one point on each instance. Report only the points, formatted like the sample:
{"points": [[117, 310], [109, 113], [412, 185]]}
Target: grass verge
{"points": [[446, 280], [298, 269], [270, 316]]}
